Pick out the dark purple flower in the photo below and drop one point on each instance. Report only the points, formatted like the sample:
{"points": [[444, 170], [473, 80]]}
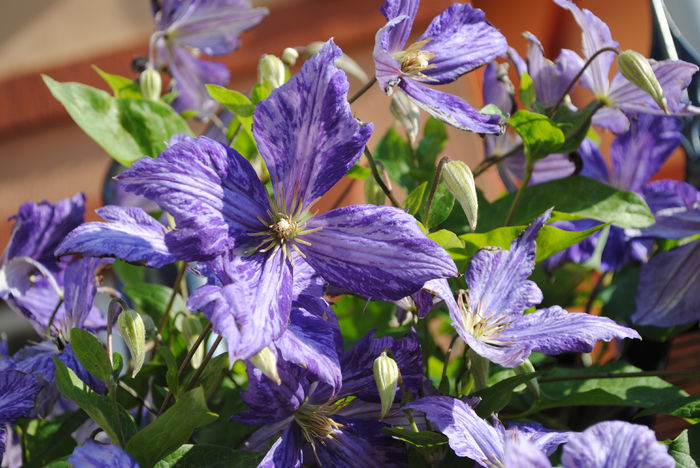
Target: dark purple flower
{"points": [[309, 140], [620, 94], [489, 317], [96, 455], [210, 26], [18, 391], [456, 42]]}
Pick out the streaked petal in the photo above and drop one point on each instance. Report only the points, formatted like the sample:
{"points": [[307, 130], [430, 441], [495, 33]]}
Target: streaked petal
{"points": [[498, 89], [390, 256], [616, 443], [551, 79], [462, 40], [676, 207], [80, 289], [252, 311], [450, 109], [521, 453], [306, 132], [668, 287], [96, 455], [129, 234], [270, 403], [545, 440], [612, 119], [393, 9], [387, 68], [17, 394], [286, 451], [212, 192], [594, 164]]}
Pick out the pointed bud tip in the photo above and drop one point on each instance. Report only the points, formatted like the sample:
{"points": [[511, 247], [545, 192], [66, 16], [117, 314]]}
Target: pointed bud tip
{"points": [[460, 182], [386, 376], [636, 68], [266, 361], [133, 331]]}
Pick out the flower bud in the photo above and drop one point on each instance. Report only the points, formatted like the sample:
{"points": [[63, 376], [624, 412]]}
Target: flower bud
{"points": [[373, 192], [150, 84], [636, 68], [266, 361], [407, 113], [460, 182], [290, 56], [272, 70], [344, 62], [191, 329], [386, 376], [133, 331]]}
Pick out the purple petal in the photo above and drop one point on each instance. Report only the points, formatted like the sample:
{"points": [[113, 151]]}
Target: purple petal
{"points": [[498, 89], [374, 251], [468, 434], [668, 286], [269, 402], [96, 455], [306, 281], [17, 394], [129, 234], [552, 167], [306, 132], [254, 310], [545, 440], [639, 153], [521, 453], [616, 443], [594, 164], [462, 40], [393, 9], [286, 451], [675, 205], [450, 109], [612, 119], [387, 68], [80, 289], [212, 192]]}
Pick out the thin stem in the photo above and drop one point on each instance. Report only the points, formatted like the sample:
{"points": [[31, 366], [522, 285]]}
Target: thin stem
{"points": [[378, 178], [135, 395], [202, 336], [448, 355], [433, 188], [529, 167], [343, 194], [622, 375], [53, 316], [205, 361], [579, 75], [488, 162], [176, 288], [595, 291], [219, 124], [362, 90]]}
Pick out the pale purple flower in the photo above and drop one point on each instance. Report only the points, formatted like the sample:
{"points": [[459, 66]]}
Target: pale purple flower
{"points": [[209, 26], [619, 94], [97, 455], [456, 42], [489, 315]]}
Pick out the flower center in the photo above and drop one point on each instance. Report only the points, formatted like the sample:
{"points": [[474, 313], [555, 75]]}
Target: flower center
{"points": [[482, 327], [316, 423], [414, 60]]}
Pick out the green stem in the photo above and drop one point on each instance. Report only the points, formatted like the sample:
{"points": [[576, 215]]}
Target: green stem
{"points": [[443, 379], [362, 90], [202, 336], [205, 361], [378, 177], [433, 188], [529, 167], [182, 268], [53, 317], [479, 367], [488, 162]]}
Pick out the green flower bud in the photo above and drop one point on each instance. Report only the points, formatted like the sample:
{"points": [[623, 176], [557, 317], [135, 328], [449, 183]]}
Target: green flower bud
{"points": [[150, 84], [344, 62], [290, 56], [272, 70], [636, 68], [386, 376], [460, 182], [133, 331], [407, 113], [191, 329], [266, 361], [373, 192]]}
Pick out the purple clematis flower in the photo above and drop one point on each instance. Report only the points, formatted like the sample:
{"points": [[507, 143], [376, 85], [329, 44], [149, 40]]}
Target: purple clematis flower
{"points": [[619, 94], [338, 430], [210, 26], [96, 455], [35, 283], [456, 42], [489, 316], [18, 391], [309, 140], [472, 437]]}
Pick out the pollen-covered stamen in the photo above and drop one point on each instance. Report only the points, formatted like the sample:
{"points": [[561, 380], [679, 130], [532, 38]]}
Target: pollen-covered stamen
{"points": [[414, 60], [484, 328], [316, 422]]}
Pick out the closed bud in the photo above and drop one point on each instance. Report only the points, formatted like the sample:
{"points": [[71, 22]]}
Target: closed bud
{"points": [[150, 84], [636, 68], [460, 182], [344, 62], [266, 361], [191, 329], [272, 70], [386, 376], [373, 192], [133, 331], [407, 113], [290, 56]]}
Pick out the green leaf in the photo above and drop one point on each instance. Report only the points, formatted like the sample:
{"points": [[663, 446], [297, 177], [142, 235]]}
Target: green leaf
{"points": [[359, 172], [574, 124], [128, 273], [580, 196], [413, 201], [541, 136], [432, 144], [122, 87], [497, 396], [394, 153], [127, 129], [49, 439], [527, 90], [242, 122], [417, 439], [454, 246], [151, 299], [550, 240], [234, 101], [91, 354], [686, 407], [261, 91], [213, 456], [441, 206], [172, 429], [110, 416], [685, 449]]}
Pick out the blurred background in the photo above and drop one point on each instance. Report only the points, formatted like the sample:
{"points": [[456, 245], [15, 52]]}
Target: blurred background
{"points": [[45, 156]]}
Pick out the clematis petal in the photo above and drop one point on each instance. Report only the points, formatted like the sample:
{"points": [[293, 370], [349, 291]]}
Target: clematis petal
{"points": [[545, 440], [270, 403], [393, 9], [668, 285], [498, 89], [594, 164], [391, 257], [387, 68], [554, 166], [611, 118], [252, 311], [306, 132], [95, 455], [17, 394], [616, 443], [450, 109], [286, 451], [521, 453], [462, 40], [212, 192], [468, 434], [555, 331], [129, 234], [675, 205], [639, 153], [306, 281], [80, 289]]}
